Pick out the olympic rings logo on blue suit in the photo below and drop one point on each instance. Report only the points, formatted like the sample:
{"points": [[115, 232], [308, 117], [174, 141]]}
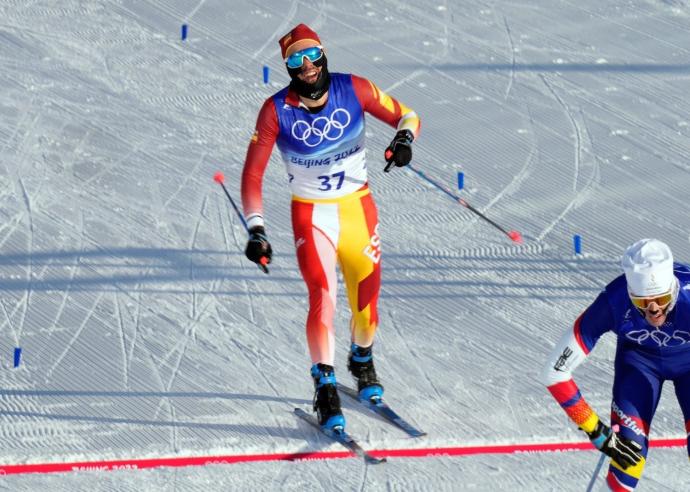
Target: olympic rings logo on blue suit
{"points": [[312, 134], [679, 337]]}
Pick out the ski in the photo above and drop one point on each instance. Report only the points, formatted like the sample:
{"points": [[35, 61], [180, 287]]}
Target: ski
{"points": [[342, 437], [384, 410]]}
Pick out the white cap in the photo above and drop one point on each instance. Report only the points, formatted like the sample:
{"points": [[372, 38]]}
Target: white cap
{"points": [[648, 267]]}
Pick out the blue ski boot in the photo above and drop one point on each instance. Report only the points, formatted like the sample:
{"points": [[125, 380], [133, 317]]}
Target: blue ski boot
{"points": [[360, 362], [326, 399]]}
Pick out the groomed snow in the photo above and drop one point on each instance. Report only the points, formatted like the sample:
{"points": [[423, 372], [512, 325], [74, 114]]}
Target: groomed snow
{"points": [[146, 333]]}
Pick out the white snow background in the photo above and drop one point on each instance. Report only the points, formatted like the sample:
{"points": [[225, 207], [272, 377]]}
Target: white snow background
{"points": [[145, 331]]}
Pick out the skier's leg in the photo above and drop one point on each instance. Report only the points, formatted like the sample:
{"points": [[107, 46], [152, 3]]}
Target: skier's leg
{"points": [[316, 256], [682, 387], [636, 391], [360, 259], [326, 399], [359, 251], [313, 225]]}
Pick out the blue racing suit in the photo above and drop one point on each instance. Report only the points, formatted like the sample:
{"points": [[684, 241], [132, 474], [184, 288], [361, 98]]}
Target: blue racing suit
{"points": [[646, 357]]}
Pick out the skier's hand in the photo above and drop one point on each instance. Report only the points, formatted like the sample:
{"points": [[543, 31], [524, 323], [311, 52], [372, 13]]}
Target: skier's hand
{"points": [[399, 152], [622, 450], [258, 246]]}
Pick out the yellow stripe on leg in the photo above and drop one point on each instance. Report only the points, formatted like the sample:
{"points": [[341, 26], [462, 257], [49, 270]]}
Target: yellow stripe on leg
{"points": [[633, 471]]}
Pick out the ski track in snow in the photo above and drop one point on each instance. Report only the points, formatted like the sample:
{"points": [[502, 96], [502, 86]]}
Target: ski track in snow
{"points": [[75, 337], [194, 11], [284, 26], [30, 267], [511, 47], [72, 274], [396, 326], [123, 340], [26, 201], [577, 151], [579, 195]]}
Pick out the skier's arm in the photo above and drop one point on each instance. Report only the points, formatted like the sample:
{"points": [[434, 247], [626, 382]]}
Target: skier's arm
{"points": [[557, 376], [569, 353], [384, 107], [258, 154]]}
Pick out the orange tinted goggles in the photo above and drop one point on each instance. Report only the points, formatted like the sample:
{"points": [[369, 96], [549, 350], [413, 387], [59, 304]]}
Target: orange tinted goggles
{"points": [[642, 302]]}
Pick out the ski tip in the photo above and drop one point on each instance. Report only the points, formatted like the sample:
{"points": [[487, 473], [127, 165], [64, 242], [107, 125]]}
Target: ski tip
{"points": [[515, 236], [219, 177]]}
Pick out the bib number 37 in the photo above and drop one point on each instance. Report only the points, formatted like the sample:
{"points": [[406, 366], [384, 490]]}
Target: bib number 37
{"points": [[332, 181]]}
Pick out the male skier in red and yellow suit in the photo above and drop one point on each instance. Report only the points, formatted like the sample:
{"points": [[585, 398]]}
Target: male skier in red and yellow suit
{"points": [[318, 124]]}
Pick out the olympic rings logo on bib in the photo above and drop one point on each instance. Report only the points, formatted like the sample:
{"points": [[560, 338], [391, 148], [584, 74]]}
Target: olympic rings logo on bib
{"points": [[328, 128]]}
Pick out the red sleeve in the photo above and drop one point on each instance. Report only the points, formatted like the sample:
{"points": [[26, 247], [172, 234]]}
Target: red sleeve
{"points": [[384, 107], [258, 154]]}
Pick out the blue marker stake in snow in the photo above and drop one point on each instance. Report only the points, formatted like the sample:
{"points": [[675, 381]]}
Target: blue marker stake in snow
{"points": [[184, 32], [17, 356], [265, 74], [577, 244], [461, 180]]}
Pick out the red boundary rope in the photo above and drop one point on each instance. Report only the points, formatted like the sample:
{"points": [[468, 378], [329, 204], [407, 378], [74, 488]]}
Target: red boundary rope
{"points": [[138, 464]]}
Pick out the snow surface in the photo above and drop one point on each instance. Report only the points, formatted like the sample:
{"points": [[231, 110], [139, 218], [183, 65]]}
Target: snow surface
{"points": [[146, 333]]}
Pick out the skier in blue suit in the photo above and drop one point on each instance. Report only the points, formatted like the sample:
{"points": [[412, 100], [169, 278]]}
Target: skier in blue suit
{"points": [[648, 308]]}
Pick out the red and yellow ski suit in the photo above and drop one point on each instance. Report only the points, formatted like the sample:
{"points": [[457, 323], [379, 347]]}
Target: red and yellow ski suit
{"points": [[334, 217]]}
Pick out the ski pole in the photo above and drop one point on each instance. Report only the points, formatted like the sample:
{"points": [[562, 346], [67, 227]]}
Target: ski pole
{"points": [[602, 458], [220, 179], [596, 472], [515, 236]]}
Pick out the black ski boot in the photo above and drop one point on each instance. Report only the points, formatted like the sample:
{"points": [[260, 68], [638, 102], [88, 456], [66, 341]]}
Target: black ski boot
{"points": [[360, 362], [326, 399]]}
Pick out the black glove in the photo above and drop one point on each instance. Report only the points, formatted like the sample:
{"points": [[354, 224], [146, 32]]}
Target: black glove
{"points": [[399, 152], [258, 246], [622, 450]]}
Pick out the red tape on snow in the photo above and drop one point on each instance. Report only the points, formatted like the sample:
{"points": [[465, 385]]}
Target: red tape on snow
{"points": [[140, 464]]}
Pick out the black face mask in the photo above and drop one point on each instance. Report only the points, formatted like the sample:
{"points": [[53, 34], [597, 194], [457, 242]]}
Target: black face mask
{"points": [[311, 91]]}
